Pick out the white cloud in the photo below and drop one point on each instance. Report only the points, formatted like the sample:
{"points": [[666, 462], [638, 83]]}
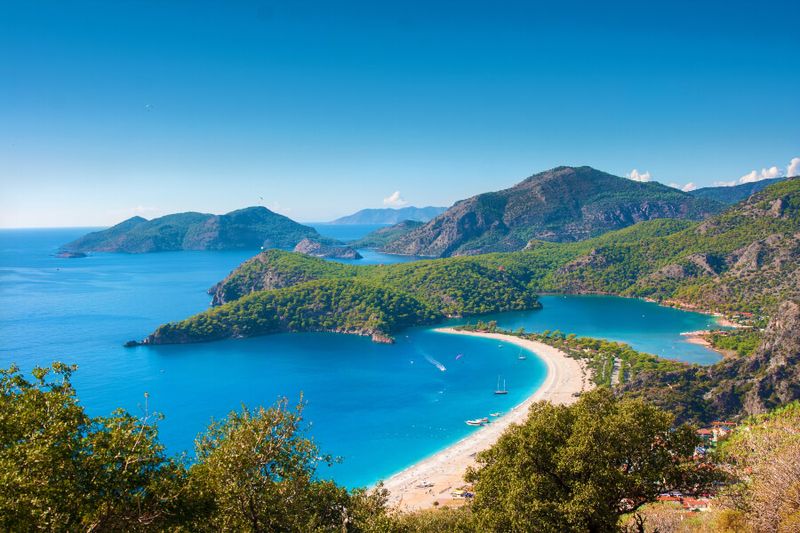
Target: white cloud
{"points": [[394, 200], [685, 188], [794, 167], [635, 175], [766, 173]]}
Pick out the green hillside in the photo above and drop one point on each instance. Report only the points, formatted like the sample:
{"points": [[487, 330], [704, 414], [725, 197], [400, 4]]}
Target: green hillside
{"points": [[745, 259]]}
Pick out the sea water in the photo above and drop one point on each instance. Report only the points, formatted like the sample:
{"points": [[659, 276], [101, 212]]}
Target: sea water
{"points": [[378, 407]]}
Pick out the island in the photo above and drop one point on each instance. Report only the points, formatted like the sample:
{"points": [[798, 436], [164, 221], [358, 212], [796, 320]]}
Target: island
{"points": [[251, 228], [66, 254]]}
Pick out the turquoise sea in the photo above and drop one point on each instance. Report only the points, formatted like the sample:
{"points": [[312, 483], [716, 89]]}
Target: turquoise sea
{"points": [[380, 408]]}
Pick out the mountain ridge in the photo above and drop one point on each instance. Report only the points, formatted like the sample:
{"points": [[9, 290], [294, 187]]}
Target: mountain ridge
{"points": [[390, 215], [731, 194], [560, 204]]}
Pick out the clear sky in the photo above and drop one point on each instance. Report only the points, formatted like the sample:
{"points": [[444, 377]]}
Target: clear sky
{"points": [[115, 108]]}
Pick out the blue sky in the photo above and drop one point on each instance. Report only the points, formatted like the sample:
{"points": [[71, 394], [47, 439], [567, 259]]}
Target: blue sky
{"points": [[109, 109]]}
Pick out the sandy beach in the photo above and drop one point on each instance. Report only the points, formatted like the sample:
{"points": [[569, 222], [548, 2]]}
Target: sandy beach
{"points": [[433, 479]]}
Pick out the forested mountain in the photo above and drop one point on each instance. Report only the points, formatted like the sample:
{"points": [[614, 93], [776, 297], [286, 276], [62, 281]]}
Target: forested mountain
{"points": [[562, 204], [391, 215], [730, 195], [745, 259], [249, 228]]}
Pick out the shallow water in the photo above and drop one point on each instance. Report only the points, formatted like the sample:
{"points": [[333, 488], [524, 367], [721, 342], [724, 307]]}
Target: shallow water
{"points": [[379, 407]]}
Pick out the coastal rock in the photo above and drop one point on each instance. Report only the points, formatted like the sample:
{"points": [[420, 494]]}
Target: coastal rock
{"points": [[317, 249], [66, 254]]}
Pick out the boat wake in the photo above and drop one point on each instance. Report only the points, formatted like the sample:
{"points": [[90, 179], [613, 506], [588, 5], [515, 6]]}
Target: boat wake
{"points": [[435, 363]]}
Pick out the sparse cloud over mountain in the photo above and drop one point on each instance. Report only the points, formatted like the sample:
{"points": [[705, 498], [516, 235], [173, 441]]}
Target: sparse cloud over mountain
{"points": [[635, 175], [394, 200], [792, 169]]}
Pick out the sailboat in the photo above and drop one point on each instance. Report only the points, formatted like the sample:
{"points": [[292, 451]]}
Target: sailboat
{"points": [[498, 390], [521, 356]]}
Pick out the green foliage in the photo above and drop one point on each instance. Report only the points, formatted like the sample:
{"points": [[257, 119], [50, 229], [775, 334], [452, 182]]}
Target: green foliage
{"points": [[318, 295], [741, 341], [444, 520], [257, 471], [581, 467], [62, 470], [323, 305]]}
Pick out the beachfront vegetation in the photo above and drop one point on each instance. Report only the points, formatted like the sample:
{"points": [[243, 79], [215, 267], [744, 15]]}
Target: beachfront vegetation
{"points": [[742, 342], [603, 358]]}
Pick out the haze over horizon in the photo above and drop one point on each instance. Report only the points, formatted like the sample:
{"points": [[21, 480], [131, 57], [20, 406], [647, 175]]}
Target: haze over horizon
{"points": [[317, 110]]}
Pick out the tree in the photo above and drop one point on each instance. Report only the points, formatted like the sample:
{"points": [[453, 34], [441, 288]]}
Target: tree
{"points": [[62, 470], [257, 470], [581, 467]]}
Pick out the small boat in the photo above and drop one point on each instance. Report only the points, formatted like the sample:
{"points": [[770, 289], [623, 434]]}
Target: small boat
{"points": [[476, 422], [498, 390], [494, 414], [521, 356]]}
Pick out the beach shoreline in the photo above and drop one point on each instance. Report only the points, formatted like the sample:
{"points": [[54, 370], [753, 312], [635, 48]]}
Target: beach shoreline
{"points": [[429, 482]]}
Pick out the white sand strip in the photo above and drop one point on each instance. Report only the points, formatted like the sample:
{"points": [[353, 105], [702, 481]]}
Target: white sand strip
{"points": [[445, 470]]}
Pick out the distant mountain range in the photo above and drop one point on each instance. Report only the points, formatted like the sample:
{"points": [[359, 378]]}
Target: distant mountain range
{"points": [[562, 204], [391, 215], [249, 228], [730, 195]]}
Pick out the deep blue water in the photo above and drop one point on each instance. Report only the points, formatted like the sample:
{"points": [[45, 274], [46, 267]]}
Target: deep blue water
{"points": [[379, 407]]}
